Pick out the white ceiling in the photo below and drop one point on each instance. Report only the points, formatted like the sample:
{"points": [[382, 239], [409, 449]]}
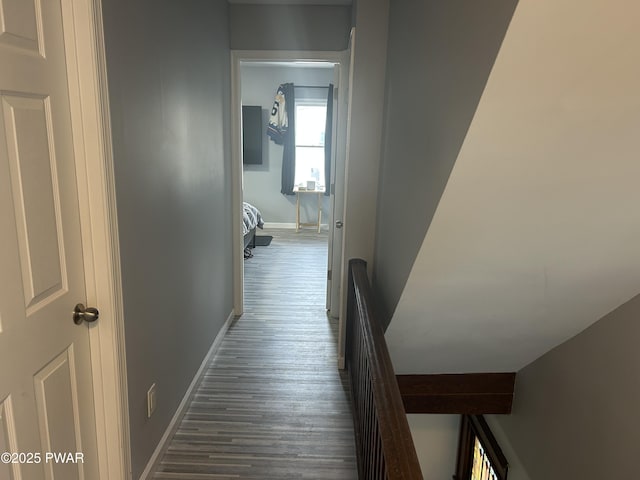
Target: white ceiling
{"points": [[537, 234]]}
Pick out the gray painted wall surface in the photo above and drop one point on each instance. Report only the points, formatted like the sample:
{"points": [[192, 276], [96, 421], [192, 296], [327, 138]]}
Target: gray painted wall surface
{"points": [[365, 128], [290, 27], [262, 183], [575, 412], [168, 68], [440, 55]]}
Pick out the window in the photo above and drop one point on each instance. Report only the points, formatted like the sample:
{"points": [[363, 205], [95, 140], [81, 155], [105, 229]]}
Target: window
{"points": [[311, 117], [479, 456]]}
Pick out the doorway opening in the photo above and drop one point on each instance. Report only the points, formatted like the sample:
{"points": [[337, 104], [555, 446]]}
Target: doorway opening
{"points": [[256, 77], [286, 181], [299, 126]]}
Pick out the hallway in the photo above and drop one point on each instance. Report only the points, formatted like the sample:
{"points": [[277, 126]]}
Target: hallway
{"points": [[271, 404]]}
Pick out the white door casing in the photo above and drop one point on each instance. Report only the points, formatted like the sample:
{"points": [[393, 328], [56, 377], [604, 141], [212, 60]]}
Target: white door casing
{"points": [[331, 186], [86, 67], [344, 265], [46, 387]]}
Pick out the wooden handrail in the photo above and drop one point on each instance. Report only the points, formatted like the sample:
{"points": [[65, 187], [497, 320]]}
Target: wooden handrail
{"points": [[383, 440]]}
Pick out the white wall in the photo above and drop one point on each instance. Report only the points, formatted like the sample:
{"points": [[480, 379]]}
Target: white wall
{"points": [[575, 409], [436, 440], [516, 469], [536, 235], [262, 183]]}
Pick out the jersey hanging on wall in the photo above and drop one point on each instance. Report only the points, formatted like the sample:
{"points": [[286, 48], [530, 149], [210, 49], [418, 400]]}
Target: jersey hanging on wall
{"points": [[278, 121]]}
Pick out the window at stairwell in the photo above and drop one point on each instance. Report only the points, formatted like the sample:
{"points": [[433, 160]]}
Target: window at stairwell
{"points": [[479, 455], [311, 117]]}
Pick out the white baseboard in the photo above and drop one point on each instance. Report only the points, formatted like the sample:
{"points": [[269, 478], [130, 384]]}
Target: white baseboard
{"points": [[279, 225], [175, 421], [268, 225]]}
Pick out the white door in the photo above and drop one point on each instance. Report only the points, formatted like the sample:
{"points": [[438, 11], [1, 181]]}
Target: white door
{"points": [[46, 402], [335, 300], [340, 109]]}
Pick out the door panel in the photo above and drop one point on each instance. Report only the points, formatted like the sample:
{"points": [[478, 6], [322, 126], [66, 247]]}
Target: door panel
{"points": [[57, 405], [19, 25], [46, 401], [8, 441], [35, 193]]}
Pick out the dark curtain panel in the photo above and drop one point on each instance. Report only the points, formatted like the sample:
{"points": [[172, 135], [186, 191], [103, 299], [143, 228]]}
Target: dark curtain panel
{"points": [[289, 153], [328, 140]]}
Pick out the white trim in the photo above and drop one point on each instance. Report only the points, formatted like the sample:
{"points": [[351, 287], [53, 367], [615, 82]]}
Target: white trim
{"points": [[238, 57], [344, 276], [236, 186], [182, 408], [287, 55], [338, 175], [279, 225], [91, 125], [267, 225]]}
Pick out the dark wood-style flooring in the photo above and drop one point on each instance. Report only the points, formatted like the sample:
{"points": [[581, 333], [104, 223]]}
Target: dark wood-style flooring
{"points": [[271, 403]]}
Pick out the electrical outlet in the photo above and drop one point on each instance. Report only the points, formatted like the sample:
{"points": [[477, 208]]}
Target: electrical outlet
{"points": [[151, 400]]}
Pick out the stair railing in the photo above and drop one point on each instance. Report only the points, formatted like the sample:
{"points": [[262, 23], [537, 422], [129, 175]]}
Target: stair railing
{"points": [[384, 444]]}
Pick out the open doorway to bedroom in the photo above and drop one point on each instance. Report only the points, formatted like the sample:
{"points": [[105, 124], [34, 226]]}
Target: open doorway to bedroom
{"points": [[287, 150], [303, 216], [287, 155]]}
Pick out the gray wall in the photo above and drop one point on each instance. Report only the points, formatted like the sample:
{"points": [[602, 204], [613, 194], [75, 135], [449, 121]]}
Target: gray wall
{"points": [[365, 126], [290, 27], [168, 68], [439, 58], [575, 412], [262, 183]]}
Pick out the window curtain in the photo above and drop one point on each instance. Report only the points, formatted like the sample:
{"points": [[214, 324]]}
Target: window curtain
{"points": [[328, 140], [289, 152]]}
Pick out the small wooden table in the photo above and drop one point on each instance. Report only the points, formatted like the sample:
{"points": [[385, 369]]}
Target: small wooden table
{"points": [[319, 192]]}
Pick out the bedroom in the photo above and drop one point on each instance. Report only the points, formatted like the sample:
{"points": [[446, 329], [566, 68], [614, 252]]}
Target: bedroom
{"points": [[295, 215]]}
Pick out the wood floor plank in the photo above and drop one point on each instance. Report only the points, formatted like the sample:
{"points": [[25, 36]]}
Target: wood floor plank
{"points": [[272, 404]]}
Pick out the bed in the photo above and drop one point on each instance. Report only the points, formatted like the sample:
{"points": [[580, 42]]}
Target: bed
{"points": [[251, 219]]}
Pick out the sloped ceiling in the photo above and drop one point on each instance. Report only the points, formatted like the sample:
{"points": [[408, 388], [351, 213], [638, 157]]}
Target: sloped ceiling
{"points": [[537, 234], [440, 55]]}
